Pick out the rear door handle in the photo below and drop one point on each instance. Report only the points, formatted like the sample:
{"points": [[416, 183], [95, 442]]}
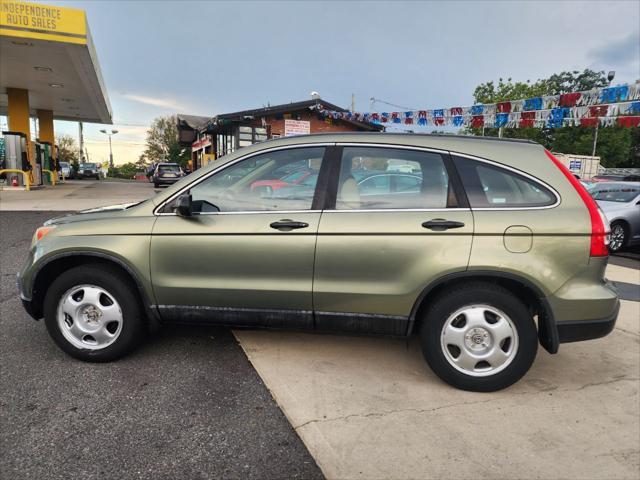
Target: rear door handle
{"points": [[440, 224], [287, 224]]}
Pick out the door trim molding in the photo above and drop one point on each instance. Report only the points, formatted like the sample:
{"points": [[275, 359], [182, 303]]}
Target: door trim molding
{"points": [[236, 316]]}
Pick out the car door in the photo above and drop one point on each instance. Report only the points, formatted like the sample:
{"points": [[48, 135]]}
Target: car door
{"points": [[377, 250], [245, 256]]}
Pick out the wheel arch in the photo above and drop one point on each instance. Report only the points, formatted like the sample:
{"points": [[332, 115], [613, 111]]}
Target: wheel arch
{"points": [[60, 263], [522, 288]]}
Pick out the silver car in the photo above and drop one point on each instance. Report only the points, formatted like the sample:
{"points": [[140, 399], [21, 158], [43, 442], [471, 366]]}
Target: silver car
{"points": [[620, 202]]}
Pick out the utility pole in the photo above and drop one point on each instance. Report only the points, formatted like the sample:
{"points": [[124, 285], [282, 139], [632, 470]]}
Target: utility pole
{"points": [[353, 102], [81, 142]]}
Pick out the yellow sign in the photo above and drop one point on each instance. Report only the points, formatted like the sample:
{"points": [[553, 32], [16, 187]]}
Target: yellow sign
{"points": [[42, 22], [208, 157]]}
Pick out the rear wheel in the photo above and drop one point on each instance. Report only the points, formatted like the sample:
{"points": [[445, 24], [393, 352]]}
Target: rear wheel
{"points": [[618, 237], [479, 337], [92, 313]]}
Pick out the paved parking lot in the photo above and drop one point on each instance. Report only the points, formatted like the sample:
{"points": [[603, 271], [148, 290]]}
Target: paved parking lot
{"points": [[370, 408], [76, 195], [187, 404]]}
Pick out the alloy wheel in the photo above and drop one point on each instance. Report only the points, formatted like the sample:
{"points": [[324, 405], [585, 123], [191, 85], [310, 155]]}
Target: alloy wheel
{"points": [[617, 238]]}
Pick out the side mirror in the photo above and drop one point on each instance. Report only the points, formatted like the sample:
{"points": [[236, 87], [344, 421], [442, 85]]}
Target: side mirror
{"points": [[183, 206]]}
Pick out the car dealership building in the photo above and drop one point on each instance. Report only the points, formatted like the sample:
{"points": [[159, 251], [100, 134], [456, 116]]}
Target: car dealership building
{"points": [[213, 137]]}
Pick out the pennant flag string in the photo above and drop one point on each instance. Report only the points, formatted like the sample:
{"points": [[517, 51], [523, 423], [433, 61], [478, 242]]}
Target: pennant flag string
{"points": [[609, 106]]}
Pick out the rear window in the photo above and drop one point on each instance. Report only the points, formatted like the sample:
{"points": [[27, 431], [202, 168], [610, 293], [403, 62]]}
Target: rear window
{"points": [[489, 186], [612, 192], [168, 168]]}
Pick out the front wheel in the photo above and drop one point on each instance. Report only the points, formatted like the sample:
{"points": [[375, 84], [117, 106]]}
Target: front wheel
{"points": [[479, 337], [618, 237], [92, 313]]}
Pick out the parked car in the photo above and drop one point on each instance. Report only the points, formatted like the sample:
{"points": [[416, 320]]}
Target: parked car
{"points": [[88, 170], [620, 202], [150, 171], [65, 170], [293, 178], [495, 249], [167, 174], [616, 178]]}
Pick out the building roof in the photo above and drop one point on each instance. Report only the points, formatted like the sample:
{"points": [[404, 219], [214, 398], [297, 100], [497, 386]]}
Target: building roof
{"points": [[194, 122], [286, 108]]}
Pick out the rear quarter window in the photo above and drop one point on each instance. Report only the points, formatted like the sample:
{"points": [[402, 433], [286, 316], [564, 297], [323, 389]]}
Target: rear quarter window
{"points": [[490, 186]]}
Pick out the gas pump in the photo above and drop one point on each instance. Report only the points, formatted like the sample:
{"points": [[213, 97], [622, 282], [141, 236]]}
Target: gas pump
{"points": [[47, 166], [37, 171], [15, 146]]}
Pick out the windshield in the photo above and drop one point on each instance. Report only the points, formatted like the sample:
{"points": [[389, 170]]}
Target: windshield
{"points": [[87, 165], [616, 192]]}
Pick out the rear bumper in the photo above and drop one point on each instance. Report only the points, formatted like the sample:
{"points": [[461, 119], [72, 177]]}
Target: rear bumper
{"points": [[578, 330], [166, 181]]}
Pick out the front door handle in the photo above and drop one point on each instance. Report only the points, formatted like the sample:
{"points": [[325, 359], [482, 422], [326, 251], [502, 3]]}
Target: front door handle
{"points": [[287, 224], [440, 224]]}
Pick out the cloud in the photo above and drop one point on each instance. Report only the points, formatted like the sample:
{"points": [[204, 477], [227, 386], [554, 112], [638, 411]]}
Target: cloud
{"points": [[168, 103], [621, 52]]}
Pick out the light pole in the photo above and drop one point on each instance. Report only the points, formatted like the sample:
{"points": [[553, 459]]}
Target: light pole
{"points": [[610, 78], [109, 134]]}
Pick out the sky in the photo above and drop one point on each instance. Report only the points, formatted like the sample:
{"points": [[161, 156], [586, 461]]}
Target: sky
{"points": [[210, 57]]}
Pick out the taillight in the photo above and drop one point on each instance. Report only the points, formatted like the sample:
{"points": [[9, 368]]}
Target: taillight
{"points": [[599, 224]]}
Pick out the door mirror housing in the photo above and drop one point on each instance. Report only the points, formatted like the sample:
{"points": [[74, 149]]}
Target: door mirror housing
{"points": [[184, 206]]}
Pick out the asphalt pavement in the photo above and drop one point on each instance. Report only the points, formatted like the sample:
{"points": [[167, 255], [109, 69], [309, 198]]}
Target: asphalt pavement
{"points": [[188, 404]]}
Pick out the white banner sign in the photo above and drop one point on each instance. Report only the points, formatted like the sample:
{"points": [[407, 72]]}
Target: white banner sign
{"points": [[296, 127]]}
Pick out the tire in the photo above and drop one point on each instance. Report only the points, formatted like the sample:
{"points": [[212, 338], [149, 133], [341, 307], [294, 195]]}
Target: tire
{"points": [[87, 335], [156, 185], [619, 237], [484, 321]]}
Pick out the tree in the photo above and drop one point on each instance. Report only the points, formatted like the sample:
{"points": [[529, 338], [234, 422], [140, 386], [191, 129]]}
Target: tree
{"points": [[162, 142], [617, 147], [509, 90], [67, 149], [556, 84]]}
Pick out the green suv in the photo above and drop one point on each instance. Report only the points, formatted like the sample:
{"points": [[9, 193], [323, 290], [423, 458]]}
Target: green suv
{"points": [[482, 247]]}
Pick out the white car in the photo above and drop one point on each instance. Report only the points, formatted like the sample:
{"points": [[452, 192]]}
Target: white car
{"points": [[65, 169]]}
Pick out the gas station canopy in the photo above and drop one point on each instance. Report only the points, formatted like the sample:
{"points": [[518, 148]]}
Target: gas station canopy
{"points": [[48, 51]]}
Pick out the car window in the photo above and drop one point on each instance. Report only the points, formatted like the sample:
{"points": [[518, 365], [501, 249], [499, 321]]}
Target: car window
{"points": [[388, 178], [295, 177], [612, 192], [407, 183], [168, 168], [491, 186], [253, 184], [379, 184]]}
